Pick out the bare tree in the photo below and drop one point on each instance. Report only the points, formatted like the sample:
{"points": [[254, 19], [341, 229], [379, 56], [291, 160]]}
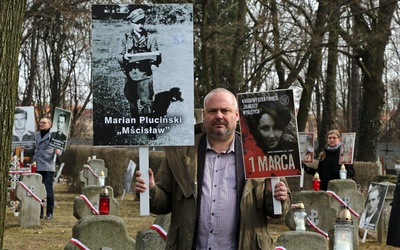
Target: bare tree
{"points": [[11, 18], [55, 57], [374, 26]]}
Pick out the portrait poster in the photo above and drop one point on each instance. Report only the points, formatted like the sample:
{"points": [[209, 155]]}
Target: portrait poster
{"points": [[373, 206], [269, 134], [129, 175], [143, 80], [306, 147], [347, 148], [60, 130], [24, 126]]}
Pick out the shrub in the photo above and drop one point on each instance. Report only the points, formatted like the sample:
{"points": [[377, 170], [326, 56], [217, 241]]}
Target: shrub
{"points": [[116, 160]]}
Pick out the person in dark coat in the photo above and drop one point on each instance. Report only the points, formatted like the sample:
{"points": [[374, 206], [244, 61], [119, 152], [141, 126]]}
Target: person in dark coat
{"points": [[393, 234], [328, 166]]}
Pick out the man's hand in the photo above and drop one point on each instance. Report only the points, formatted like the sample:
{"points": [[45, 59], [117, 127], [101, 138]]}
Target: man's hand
{"points": [[280, 191], [140, 185]]}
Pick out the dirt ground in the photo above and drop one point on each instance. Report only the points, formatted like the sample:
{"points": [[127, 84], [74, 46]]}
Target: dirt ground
{"points": [[56, 233]]}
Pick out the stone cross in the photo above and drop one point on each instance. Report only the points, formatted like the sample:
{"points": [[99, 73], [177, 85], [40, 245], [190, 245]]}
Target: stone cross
{"points": [[92, 170], [322, 207], [293, 240], [150, 239], [318, 207], [30, 191], [101, 232], [82, 209]]}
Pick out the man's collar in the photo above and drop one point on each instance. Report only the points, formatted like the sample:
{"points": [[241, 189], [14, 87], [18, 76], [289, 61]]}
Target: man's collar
{"points": [[25, 132], [230, 149]]}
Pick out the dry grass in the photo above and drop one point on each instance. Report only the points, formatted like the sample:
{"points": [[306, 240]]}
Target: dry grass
{"points": [[56, 233]]}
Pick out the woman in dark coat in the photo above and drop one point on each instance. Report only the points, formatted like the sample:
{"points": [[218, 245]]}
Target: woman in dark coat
{"points": [[393, 238], [328, 166]]}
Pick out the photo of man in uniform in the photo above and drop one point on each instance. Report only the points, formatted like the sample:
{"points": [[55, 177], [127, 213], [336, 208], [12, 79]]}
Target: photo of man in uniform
{"points": [[60, 129], [61, 124]]}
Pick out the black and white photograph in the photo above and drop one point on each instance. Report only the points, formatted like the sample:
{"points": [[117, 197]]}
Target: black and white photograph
{"points": [[24, 126], [306, 147], [60, 129], [269, 134], [143, 74], [347, 148], [373, 206]]}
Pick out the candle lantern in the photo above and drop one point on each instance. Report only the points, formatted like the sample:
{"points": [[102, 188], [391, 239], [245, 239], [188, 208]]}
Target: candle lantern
{"points": [[316, 182], [344, 230], [300, 217], [104, 201], [343, 172], [33, 167], [102, 178]]}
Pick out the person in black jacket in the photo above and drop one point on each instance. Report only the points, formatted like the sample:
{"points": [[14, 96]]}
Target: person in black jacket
{"points": [[393, 238], [328, 166]]}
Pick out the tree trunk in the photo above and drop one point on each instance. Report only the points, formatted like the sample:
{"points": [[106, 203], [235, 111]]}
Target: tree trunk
{"points": [[11, 18], [372, 65], [329, 105], [313, 67]]}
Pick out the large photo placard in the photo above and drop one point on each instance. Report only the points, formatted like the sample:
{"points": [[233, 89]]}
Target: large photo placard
{"points": [[24, 126], [143, 74], [269, 134]]}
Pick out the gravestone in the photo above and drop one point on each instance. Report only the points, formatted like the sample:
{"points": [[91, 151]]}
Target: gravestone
{"points": [[293, 240], [347, 191], [101, 232], [318, 207], [92, 169], [30, 186], [150, 239], [322, 207], [81, 209]]}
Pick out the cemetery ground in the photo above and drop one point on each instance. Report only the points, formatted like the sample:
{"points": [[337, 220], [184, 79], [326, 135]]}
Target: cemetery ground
{"points": [[56, 233]]}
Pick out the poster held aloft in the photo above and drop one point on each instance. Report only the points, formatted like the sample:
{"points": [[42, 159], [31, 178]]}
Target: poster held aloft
{"points": [[59, 132], [269, 136], [144, 95], [306, 147], [347, 148], [24, 127]]}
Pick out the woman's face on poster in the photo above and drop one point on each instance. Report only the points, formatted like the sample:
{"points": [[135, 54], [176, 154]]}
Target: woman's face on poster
{"points": [[270, 134]]}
